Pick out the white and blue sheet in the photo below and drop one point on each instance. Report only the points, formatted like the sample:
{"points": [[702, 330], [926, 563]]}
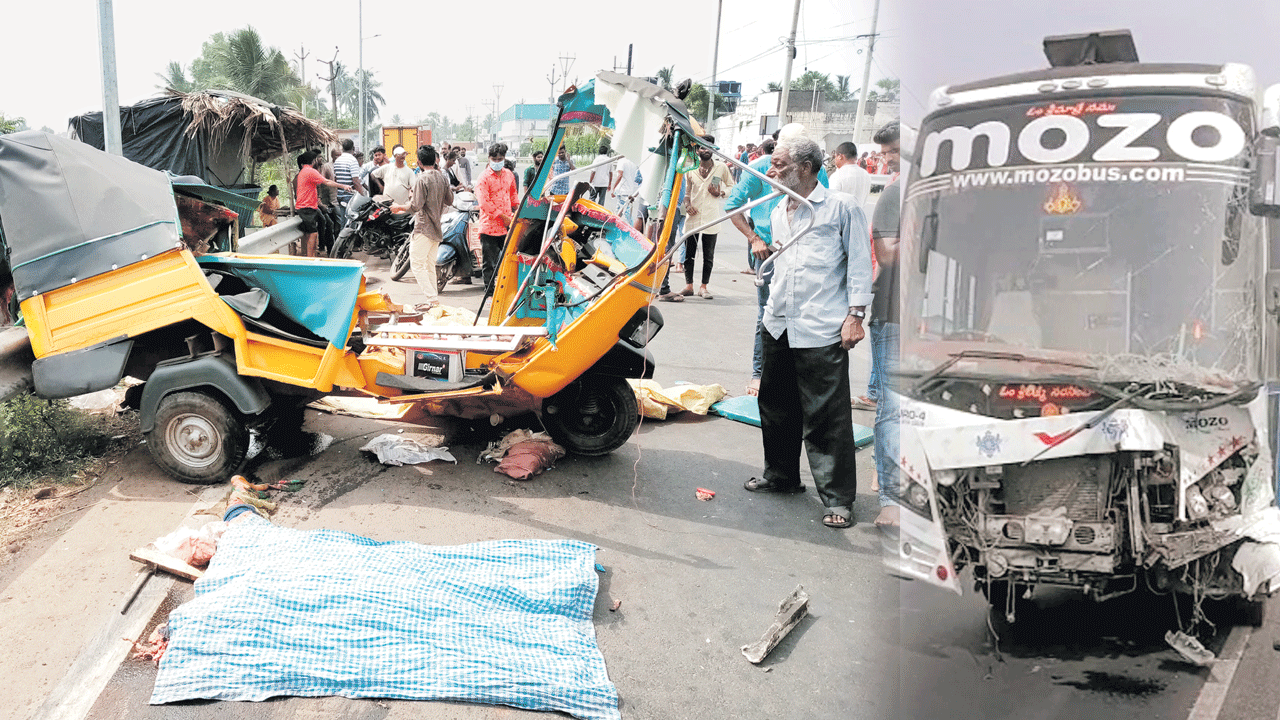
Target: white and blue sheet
{"points": [[316, 613]]}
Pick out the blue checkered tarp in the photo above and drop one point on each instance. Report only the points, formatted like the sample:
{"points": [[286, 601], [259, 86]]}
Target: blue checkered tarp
{"points": [[314, 613]]}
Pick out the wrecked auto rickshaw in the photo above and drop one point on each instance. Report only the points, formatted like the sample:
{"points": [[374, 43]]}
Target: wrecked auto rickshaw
{"points": [[1090, 331], [228, 343]]}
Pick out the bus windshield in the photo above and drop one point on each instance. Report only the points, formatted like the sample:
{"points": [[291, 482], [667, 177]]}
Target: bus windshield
{"points": [[1115, 230]]}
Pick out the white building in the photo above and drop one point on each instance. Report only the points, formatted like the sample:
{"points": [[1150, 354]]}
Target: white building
{"points": [[826, 122], [520, 122]]}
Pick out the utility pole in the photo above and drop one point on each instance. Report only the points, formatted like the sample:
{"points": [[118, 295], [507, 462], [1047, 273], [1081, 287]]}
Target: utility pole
{"points": [[715, 57], [566, 62], [333, 75], [786, 77], [302, 66], [110, 93], [866, 75], [360, 74], [630, 47]]}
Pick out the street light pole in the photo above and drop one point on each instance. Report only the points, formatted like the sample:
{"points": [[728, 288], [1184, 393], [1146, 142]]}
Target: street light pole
{"points": [[110, 93]]}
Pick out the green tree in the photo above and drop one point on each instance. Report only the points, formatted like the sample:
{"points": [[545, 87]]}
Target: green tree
{"points": [[373, 100], [11, 124], [773, 87], [890, 87], [665, 75], [842, 88], [697, 102], [175, 78], [240, 61], [814, 80]]}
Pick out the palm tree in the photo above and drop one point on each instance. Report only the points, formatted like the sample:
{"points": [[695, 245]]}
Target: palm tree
{"points": [[11, 124], [247, 66], [175, 78], [773, 87], [890, 88], [664, 76], [373, 100], [842, 87]]}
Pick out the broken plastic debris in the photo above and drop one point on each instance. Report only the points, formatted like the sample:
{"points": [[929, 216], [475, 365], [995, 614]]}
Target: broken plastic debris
{"points": [[1189, 647], [614, 607], [704, 494], [393, 450]]}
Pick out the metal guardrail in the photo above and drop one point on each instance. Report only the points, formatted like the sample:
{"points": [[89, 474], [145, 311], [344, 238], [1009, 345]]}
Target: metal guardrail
{"points": [[269, 240]]}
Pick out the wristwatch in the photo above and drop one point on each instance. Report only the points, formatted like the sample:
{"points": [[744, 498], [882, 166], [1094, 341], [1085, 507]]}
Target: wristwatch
{"points": [[857, 313]]}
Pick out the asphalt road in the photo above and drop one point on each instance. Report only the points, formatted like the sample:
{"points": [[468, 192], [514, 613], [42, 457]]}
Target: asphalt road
{"points": [[697, 580]]}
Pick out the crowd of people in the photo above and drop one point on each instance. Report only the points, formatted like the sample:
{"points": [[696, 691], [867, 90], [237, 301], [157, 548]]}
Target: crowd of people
{"points": [[817, 302]]}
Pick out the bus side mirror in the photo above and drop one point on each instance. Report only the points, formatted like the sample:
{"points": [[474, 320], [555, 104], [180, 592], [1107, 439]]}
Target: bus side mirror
{"points": [[1264, 182]]}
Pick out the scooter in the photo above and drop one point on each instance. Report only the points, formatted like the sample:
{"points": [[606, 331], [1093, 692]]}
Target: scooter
{"points": [[372, 226], [454, 258]]}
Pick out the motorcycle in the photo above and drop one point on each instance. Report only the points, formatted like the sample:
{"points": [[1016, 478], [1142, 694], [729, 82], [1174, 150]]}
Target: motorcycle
{"points": [[372, 226], [454, 258]]}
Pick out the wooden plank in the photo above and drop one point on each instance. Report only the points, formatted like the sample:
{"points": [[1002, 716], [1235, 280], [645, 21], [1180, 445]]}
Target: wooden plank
{"points": [[173, 566], [791, 611]]}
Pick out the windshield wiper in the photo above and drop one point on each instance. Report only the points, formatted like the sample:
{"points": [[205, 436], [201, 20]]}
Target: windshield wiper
{"points": [[989, 355]]}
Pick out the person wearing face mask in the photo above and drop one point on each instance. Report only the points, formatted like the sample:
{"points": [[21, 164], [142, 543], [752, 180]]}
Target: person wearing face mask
{"points": [[496, 193]]}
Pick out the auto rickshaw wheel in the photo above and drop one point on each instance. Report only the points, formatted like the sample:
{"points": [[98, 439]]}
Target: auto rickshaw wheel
{"points": [[198, 439], [592, 416], [400, 260]]}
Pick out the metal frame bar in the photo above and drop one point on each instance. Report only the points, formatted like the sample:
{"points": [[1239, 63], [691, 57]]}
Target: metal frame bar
{"points": [[780, 191]]}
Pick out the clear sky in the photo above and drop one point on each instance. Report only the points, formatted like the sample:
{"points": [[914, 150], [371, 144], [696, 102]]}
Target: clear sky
{"points": [[431, 57], [954, 42]]}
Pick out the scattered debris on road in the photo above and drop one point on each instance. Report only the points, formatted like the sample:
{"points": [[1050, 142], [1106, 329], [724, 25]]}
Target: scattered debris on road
{"points": [[614, 607], [394, 450], [704, 494], [656, 402], [522, 454], [791, 611], [1189, 648], [361, 407]]}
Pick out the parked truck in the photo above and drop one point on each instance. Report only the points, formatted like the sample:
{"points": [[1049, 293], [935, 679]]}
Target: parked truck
{"points": [[410, 136], [1089, 335]]}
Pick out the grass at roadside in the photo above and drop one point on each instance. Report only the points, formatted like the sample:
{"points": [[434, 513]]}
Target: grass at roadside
{"points": [[49, 441]]}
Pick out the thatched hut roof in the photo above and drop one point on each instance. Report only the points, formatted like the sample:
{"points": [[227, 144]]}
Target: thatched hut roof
{"points": [[265, 131]]}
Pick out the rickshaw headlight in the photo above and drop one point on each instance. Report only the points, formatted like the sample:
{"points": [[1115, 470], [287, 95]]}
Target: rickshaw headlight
{"points": [[642, 327]]}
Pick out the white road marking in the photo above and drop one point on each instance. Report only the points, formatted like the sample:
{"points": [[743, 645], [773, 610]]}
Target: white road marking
{"points": [[1214, 692]]}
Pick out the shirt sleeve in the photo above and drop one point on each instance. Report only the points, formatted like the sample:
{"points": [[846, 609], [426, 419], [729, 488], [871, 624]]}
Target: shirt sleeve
{"points": [[418, 196], [743, 192], [853, 236], [888, 213]]}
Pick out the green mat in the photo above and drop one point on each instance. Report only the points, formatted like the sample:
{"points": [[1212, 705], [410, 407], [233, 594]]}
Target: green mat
{"points": [[746, 409]]}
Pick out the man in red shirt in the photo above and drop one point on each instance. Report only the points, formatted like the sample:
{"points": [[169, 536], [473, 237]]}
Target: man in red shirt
{"points": [[308, 199], [496, 193]]}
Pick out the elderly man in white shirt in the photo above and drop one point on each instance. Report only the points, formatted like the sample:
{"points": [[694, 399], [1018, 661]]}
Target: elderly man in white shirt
{"points": [[848, 177], [817, 303]]}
